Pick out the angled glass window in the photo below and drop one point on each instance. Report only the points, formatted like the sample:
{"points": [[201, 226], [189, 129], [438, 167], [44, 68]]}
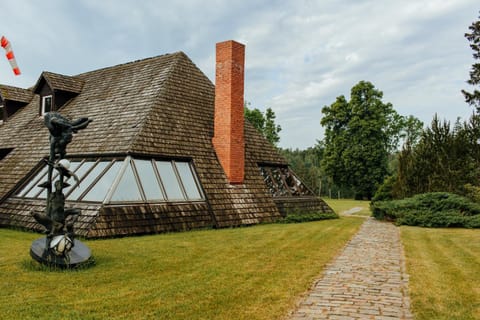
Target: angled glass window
{"points": [[81, 172], [94, 174], [31, 189], [122, 180], [282, 182], [189, 183], [149, 180], [103, 186], [127, 188], [170, 180]]}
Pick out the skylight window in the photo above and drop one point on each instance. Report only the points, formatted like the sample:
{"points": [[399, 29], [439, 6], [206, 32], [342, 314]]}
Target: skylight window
{"points": [[124, 180], [282, 182]]}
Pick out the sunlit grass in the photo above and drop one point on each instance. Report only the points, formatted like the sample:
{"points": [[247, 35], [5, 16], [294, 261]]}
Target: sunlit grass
{"points": [[244, 273], [342, 205], [444, 269]]}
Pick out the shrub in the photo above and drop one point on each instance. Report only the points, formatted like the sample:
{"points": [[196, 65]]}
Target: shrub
{"points": [[472, 192], [438, 209], [385, 191], [297, 216]]}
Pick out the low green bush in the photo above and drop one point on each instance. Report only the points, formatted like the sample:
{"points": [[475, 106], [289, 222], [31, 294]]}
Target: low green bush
{"points": [[437, 209], [472, 192], [297, 216]]}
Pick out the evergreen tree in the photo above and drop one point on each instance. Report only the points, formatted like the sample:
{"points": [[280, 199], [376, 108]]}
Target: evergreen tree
{"points": [[473, 98]]}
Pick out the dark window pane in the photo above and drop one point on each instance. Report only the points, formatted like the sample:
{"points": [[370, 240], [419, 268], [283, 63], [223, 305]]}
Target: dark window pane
{"points": [[101, 188], [47, 104], [127, 189], [188, 180], [169, 179], [148, 180]]}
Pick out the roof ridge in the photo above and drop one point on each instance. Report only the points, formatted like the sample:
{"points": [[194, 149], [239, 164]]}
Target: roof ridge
{"points": [[129, 63]]}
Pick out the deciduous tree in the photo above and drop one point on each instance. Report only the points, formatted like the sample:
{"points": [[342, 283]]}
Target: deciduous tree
{"points": [[264, 122], [359, 134]]}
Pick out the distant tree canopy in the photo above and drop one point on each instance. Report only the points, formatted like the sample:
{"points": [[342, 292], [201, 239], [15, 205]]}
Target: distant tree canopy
{"points": [[359, 136], [473, 98], [264, 122]]}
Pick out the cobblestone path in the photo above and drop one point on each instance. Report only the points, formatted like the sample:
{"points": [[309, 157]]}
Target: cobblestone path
{"points": [[367, 281]]}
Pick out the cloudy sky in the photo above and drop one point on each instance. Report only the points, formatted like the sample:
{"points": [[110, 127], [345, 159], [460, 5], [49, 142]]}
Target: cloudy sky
{"points": [[300, 54]]}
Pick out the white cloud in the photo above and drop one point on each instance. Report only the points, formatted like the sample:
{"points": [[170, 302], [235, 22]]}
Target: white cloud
{"points": [[300, 55]]}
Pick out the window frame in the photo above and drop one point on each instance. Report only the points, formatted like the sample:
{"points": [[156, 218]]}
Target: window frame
{"points": [[266, 170], [37, 177], [42, 108], [2, 113]]}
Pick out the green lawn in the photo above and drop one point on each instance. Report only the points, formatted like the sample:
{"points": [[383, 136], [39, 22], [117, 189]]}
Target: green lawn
{"points": [[444, 268], [342, 205], [244, 273]]}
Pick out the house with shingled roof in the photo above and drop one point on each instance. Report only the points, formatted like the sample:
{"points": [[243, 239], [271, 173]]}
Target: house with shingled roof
{"points": [[166, 150]]}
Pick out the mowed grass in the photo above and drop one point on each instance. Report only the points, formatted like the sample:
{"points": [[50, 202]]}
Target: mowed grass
{"points": [[342, 205], [444, 269], [244, 273]]}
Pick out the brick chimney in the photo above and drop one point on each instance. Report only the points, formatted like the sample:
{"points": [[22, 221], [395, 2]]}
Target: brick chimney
{"points": [[228, 139]]}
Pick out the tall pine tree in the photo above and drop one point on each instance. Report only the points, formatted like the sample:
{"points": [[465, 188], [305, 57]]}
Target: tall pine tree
{"points": [[473, 98]]}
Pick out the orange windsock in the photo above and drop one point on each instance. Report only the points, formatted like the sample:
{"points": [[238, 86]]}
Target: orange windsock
{"points": [[10, 56]]}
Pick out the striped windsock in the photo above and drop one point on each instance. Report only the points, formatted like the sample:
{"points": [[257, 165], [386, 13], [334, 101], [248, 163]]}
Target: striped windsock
{"points": [[10, 56]]}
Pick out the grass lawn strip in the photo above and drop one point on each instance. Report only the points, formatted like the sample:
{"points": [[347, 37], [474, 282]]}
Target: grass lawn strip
{"points": [[443, 265], [243, 273], [341, 206]]}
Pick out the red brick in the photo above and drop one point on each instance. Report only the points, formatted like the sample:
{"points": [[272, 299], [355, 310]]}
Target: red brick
{"points": [[228, 140]]}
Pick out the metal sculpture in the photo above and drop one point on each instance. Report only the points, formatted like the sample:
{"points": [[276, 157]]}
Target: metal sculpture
{"points": [[59, 247]]}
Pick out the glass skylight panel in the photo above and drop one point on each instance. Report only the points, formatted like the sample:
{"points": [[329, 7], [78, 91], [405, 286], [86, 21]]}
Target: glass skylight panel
{"points": [[148, 180], [33, 183], [84, 167], [100, 189], [139, 181], [188, 180], [127, 189], [170, 182], [96, 171], [43, 195]]}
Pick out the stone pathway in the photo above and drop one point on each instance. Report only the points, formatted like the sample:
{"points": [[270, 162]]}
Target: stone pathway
{"points": [[367, 281]]}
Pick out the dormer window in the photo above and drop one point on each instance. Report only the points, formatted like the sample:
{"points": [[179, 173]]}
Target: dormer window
{"points": [[2, 115], [46, 104]]}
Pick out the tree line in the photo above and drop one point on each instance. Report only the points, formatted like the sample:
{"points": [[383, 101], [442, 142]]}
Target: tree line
{"points": [[371, 151]]}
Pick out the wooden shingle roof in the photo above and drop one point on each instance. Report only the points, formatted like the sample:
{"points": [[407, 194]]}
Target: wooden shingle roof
{"points": [[60, 82], [15, 94], [159, 107]]}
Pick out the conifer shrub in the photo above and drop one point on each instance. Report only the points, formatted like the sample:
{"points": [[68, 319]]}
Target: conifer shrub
{"points": [[436, 209], [298, 216]]}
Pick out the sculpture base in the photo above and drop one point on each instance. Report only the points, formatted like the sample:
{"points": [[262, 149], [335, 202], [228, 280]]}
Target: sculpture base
{"points": [[79, 255]]}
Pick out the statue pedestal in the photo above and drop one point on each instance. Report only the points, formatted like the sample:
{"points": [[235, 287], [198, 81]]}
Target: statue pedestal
{"points": [[78, 255]]}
